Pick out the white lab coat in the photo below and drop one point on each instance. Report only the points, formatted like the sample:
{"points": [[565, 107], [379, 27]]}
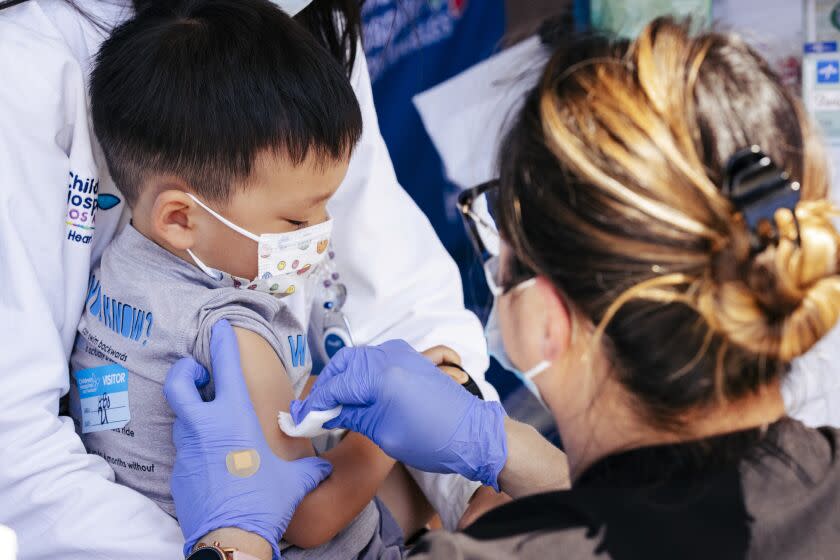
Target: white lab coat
{"points": [[62, 502]]}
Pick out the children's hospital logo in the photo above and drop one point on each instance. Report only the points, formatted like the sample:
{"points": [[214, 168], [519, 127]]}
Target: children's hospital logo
{"points": [[83, 199]]}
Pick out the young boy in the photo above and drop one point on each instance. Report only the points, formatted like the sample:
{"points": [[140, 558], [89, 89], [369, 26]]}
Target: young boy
{"points": [[227, 128]]}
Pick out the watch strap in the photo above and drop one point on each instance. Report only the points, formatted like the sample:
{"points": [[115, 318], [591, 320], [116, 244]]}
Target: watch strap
{"points": [[226, 553], [470, 385]]}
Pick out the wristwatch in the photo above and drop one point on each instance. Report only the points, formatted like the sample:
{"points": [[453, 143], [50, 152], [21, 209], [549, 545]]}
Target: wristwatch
{"points": [[216, 552]]}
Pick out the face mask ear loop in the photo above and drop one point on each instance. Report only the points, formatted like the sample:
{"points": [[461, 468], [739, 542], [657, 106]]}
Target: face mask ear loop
{"points": [[536, 370], [526, 284], [228, 223], [545, 364], [212, 273]]}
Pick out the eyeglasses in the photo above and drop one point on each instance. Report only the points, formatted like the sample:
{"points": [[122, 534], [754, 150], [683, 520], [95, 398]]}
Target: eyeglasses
{"points": [[478, 209]]}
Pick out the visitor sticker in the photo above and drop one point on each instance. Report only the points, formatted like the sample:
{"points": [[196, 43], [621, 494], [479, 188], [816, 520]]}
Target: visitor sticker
{"points": [[103, 392]]}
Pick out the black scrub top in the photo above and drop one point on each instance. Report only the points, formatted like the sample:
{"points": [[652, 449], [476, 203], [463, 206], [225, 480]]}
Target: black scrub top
{"points": [[757, 494]]}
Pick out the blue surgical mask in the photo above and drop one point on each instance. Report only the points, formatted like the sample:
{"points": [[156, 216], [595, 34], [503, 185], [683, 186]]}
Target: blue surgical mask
{"points": [[496, 348]]}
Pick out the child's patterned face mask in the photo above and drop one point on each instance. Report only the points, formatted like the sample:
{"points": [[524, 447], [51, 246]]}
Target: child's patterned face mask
{"points": [[284, 259]]}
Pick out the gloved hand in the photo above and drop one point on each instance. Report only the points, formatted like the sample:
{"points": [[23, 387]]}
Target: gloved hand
{"points": [[207, 435], [414, 412]]}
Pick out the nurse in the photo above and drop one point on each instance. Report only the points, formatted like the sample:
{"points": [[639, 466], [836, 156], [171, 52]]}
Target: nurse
{"points": [[59, 209], [666, 251]]}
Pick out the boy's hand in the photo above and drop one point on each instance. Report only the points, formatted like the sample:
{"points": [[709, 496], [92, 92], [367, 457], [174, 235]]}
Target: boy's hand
{"points": [[448, 361]]}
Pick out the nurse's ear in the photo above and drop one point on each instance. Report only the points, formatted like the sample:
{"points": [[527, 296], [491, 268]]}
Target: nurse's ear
{"points": [[557, 329], [175, 218]]}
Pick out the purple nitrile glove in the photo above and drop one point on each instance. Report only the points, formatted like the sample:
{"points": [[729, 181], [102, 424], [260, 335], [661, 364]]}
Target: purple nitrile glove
{"points": [[417, 414], [218, 443]]}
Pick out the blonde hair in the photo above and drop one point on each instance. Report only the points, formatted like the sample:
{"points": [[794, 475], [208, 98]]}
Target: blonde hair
{"points": [[611, 186]]}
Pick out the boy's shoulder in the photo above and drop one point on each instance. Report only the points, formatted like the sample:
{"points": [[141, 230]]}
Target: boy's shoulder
{"points": [[137, 274], [142, 304]]}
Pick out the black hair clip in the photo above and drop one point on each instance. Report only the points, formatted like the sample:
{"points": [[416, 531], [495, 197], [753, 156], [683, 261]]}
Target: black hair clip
{"points": [[757, 188]]}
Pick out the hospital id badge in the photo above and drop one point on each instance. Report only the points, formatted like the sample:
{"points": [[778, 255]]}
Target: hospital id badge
{"points": [[103, 392]]}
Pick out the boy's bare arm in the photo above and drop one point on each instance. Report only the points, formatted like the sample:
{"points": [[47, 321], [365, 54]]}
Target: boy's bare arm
{"points": [[359, 466], [270, 391], [359, 469]]}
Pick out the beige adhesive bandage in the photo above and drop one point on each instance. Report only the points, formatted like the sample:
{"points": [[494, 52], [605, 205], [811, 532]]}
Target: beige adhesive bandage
{"points": [[243, 462]]}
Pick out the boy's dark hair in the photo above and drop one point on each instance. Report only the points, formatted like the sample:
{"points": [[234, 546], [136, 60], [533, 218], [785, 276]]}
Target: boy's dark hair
{"points": [[198, 88]]}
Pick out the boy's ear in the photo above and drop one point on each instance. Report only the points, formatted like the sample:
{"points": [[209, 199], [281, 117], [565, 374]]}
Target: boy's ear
{"points": [[173, 219]]}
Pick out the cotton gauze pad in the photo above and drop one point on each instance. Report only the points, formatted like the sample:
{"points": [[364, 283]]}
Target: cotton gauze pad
{"points": [[312, 424]]}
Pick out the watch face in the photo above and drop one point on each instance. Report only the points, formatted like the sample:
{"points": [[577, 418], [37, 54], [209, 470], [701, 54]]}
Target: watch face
{"points": [[207, 554]]}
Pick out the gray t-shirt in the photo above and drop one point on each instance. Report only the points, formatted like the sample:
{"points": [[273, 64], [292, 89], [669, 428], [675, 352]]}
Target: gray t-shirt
{"points": [[145, 309]]}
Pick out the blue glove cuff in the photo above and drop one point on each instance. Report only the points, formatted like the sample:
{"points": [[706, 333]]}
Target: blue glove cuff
{"points": [[492, 424]]}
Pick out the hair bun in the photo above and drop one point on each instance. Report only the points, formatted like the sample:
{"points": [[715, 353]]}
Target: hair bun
{"points": [[788, 296]]}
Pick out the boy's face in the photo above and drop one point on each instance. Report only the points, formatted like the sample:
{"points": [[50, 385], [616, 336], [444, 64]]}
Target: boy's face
{"points": [[277, 197]]}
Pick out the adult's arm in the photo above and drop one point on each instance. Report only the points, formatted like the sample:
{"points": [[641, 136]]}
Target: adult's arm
{"points": [[533, 464], [62, 502], [402, 282], [422, 418]]}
